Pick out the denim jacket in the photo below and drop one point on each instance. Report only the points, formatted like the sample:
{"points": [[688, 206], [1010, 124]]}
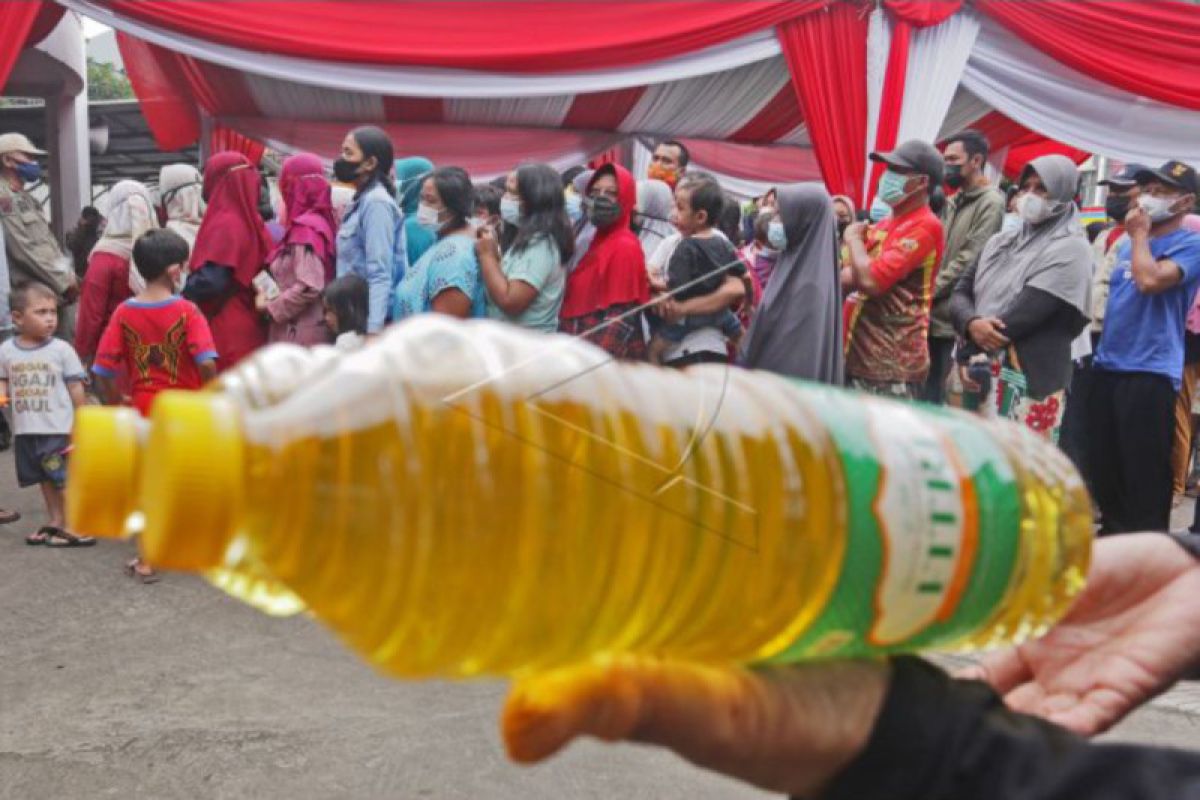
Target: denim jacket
{"points": [[370, 244]]}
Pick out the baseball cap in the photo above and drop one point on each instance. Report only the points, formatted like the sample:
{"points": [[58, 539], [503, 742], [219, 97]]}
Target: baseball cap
{"points": [[18, 143], [1173, 173], [1126, 178], [920, 157]]}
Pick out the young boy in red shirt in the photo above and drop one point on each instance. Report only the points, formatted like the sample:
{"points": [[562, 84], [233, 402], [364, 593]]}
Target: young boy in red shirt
{"points": [[161, 340]]}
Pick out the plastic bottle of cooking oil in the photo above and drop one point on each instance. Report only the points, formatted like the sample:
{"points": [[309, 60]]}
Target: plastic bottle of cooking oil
{"points": [[107, 463], [466, 498]]}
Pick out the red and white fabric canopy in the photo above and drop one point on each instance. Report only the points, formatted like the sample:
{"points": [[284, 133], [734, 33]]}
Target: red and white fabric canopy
{"points": [[811, 82]]}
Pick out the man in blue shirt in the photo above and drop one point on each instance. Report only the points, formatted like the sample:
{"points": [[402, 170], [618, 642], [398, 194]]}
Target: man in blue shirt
{"points": [[1139, 360]]}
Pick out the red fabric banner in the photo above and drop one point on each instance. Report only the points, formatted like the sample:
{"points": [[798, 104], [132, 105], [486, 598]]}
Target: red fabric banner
{"points": [[826, 53], [922, 13], [47, 20], [532, 36], [16, 22], [891, 103], [222, 139], [778, 117], [602, 110], [778, 163], [1148, 48], [162, 92]]}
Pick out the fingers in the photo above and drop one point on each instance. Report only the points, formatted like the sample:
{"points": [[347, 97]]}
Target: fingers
{"points": [[1095, 713], [1004, 671]]}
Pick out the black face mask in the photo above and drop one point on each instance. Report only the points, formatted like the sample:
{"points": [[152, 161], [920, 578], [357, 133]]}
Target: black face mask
{"points": [[954, 176], [841, 228], [346, 171], [1116, 207], [603, 211]]}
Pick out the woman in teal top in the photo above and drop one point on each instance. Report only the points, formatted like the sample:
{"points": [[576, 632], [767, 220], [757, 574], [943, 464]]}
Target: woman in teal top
{"points": [[411, 173], [526, 286], [445, 279]]}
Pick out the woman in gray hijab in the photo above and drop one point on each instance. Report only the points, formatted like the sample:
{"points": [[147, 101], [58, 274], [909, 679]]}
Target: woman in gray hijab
{"points": [[584, 230], [797, 329], [1023, 301], [652, 219]]}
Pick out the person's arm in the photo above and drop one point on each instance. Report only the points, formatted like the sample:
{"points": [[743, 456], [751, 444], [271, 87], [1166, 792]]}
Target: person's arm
{"points": [[731, 293], [304, 290], [452, 302], [110, 354], [379, 238], [200, 344], [1150, 275], [1031, 311], [989, 218], [106, 388], [208, 369], [512, 296], [76, 391], [986, 333], [898, 256], [33, 251], [73, 374]]}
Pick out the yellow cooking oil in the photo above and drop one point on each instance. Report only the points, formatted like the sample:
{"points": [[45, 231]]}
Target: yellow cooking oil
{"points": [[466, 498]]}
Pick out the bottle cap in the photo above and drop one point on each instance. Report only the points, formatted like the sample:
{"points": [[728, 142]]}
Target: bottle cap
{"points": [[104, 463], [193, 480]]}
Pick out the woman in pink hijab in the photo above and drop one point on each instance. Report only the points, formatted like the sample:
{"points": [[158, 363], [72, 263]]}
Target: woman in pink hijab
{"points": [[303, 262]]}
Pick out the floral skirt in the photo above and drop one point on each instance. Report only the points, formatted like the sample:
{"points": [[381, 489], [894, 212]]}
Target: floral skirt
{"points": [[616, 329], [1007, 398]]}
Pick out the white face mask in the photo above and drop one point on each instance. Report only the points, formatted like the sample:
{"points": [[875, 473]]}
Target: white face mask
{"points": [[1033, 208], [1157, 208], [427, 217]]}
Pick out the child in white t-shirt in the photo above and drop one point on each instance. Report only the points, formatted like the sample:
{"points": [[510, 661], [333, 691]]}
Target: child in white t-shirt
{"points": [[41, 380]]}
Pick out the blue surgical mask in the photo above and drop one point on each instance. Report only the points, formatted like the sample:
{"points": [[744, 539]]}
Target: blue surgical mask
{"points": [[879, 209], [776, 235], [891, 188], [1011, 222], [29, 172], [574, 208], [427, 217], [510, 210]]}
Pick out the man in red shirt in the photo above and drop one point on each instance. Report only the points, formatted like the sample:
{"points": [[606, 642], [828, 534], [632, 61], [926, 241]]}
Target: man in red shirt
{"points": [[891, 268], [162, 340]]}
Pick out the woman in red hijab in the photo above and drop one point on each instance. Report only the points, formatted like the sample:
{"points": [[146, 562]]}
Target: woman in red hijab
{"points": [[607, 290], [303, 262], [231, 249]]}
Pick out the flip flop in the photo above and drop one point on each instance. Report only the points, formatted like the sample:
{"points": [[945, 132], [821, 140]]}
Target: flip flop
{"points": [[131, 569], [8, 517], [41, 537], [57, 537]]}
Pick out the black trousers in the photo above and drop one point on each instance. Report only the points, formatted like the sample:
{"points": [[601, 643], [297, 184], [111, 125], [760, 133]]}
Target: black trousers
{"points": [[1074, 436], [1132, 428], [941, 360]]}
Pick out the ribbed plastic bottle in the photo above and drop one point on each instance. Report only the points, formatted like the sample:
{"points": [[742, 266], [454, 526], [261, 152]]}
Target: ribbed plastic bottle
{"points": [[107, 462], [464, 498]]}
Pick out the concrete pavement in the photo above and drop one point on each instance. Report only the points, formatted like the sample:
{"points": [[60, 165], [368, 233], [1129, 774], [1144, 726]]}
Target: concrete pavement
{"points": [[113, 689]]}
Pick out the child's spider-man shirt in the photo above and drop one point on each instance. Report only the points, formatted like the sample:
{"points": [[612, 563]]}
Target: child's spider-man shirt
{"points": [[158, 344]]}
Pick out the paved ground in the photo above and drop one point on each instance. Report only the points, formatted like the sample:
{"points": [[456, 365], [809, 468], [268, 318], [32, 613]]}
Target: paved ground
{"points": [[112, 689]]}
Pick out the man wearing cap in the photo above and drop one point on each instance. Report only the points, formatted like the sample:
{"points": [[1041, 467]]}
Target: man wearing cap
{"points": [[1138, 366], [33, 252], [891, 267], [1122, 193]]}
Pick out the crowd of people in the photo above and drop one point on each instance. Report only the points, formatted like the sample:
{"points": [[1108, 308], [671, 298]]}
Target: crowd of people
{"points": [[944, 290], [998, 303]]}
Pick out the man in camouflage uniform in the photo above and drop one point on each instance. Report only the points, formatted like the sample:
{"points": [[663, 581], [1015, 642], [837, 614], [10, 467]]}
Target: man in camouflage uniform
{"points": [[33, 252]]}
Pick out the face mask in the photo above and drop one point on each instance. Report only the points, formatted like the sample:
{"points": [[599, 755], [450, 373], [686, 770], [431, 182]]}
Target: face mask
{"points": [[954, 176], [1157, 208], [574, 205], [1033, 208], [776, 235], [346, 171], [604, 211], [891, 188], [879, 210], [510, 210], [658, 172], [427, 217], [841, 228], [29, 172], [1011, 222], [1116, 207]]}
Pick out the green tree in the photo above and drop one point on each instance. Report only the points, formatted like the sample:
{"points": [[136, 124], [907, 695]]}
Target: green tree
{"points": [[106, 82]]}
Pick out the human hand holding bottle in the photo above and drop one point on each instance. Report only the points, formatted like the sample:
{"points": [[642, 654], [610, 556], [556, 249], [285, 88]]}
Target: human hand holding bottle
{"points": [[1129, 637]]}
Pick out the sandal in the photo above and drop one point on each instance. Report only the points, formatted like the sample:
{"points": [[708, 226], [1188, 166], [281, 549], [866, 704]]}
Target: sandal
{"points": [[138, 569], [8, 517], [60, 537], [41, 537]]}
